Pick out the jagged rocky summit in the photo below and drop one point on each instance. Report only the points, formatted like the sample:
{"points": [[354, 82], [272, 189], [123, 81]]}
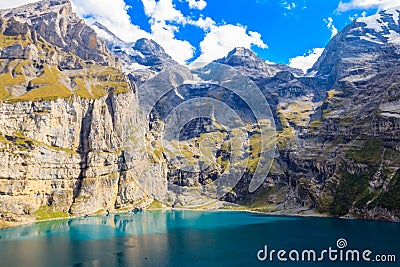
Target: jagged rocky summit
{"points": [[142, 59]]}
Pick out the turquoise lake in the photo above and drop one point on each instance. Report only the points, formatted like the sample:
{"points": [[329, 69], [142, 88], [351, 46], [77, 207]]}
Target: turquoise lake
{"points": [[193, 238]]}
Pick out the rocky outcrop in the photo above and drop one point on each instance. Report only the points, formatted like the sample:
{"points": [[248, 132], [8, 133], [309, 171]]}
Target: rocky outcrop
{"points": [[152, 55], [65, 154], [55, 22], [252, 66], [72, 135], [142, 59]]}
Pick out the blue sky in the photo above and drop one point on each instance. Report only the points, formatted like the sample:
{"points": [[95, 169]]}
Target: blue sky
{"points": [[282, 31], [292, 32], [288, 33]]}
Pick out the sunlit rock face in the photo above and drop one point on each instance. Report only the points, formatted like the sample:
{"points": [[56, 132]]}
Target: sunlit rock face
{"points": [[71, 134], [74, 138]]}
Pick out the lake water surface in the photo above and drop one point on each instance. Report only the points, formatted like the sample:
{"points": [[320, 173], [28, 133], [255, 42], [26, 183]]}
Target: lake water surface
{"points": [[195, 238]]}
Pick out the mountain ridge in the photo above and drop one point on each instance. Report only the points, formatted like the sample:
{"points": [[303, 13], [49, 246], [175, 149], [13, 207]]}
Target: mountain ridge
{"points": [[69, 147]]}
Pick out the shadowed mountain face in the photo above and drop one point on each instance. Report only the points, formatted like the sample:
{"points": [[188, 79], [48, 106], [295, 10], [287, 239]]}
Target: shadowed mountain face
{"points": [[68, 144], [251, 65], [339, 125]]}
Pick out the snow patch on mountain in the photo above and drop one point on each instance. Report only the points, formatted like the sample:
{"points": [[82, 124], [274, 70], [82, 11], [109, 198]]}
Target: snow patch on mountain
{"points": [[395, 13], [384, 24], [393, 37], [373, 22]]}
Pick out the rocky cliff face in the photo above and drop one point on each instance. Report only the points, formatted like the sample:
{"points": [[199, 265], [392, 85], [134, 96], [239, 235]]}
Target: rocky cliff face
{"points": [[339, 127], [55, 22], [71, 134], [74, 138]]}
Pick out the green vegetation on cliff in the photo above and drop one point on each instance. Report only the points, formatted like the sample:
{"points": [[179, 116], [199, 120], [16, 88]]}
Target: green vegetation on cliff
{"points": [[352, 188], [7, 80], [390, 199], [49, 81], [24, 143], [46, 213], [48, 87], [155, 205], [369, 153], [6, 41]]}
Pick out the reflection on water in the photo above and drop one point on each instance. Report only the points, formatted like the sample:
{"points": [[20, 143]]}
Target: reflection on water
{"points": [[104, 227], [183, 238]]}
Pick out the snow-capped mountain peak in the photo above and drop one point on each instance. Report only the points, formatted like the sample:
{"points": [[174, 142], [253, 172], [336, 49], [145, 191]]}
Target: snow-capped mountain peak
{"points": [[143, 58], [384, 26]]}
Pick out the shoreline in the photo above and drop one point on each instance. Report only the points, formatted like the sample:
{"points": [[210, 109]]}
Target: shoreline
{"points": [[293, 213], [311, 215]]}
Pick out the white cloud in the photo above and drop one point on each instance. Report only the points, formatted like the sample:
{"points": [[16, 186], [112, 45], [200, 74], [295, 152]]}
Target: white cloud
{"points": [[163, 10], [288, 6], [330, 26], [356, 16], [14, 3], [270, 62], [112, 14], [179, 50], [162, 13], [204, 24], [306, 61], [197, 4], [367, 4], [165, 21], [220, 40]]}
